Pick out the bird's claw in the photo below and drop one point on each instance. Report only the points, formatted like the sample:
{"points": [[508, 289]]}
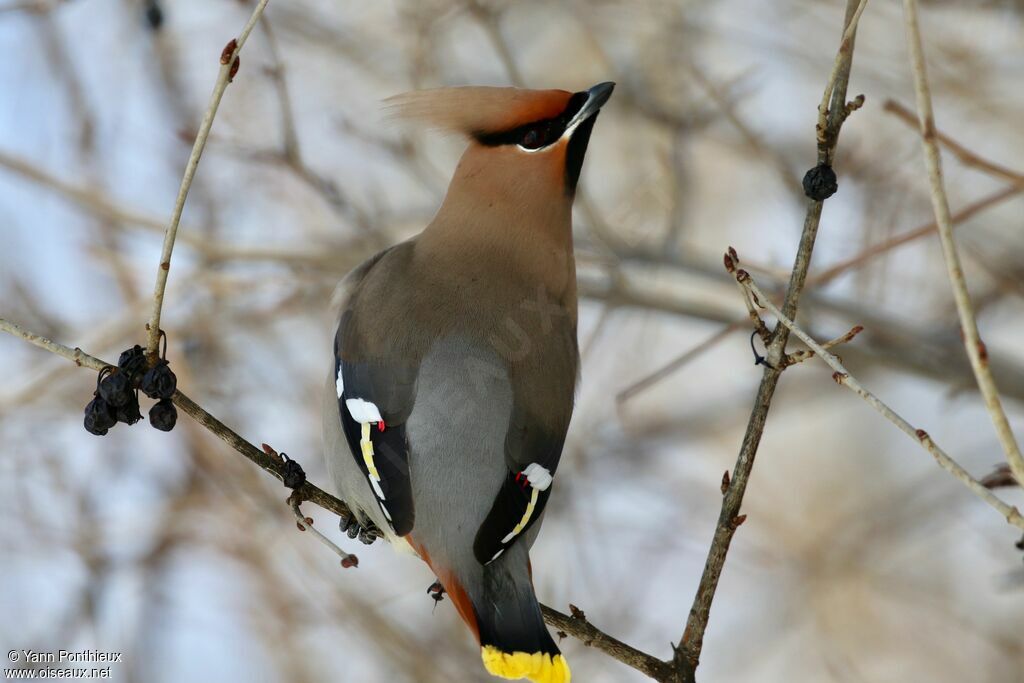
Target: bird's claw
{"points": [[436, 591], [350, 525]]}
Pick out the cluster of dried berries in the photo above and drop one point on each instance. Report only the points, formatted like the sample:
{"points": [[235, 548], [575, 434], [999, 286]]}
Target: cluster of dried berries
{"points": [[116, 398]]}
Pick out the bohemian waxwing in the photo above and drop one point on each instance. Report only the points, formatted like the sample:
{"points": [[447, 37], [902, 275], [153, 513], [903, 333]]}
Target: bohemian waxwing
{"points": [[455, 364]]}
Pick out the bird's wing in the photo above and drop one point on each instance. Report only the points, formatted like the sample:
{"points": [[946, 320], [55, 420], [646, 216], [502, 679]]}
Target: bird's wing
{"points": [[525, 491], [533, 447], [375, 397]]}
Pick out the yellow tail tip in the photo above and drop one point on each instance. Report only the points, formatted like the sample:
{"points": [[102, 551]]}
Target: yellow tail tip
{"points": [[539, 667]]}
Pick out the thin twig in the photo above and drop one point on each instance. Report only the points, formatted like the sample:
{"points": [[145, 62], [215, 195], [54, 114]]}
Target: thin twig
{"points": [[49, 374], [805, 354], [75, 355], [831, 106], [755, 318], [842, 376], [228, 68], [832, 114], [306, 524], [940, 204]]}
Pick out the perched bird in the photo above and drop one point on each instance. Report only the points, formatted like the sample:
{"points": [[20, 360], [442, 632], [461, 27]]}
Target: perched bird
{"points": [[455, 364]]}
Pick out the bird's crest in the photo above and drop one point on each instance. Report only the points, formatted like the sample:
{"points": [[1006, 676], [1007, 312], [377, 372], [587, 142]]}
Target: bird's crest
{"points": [[477, 110]]}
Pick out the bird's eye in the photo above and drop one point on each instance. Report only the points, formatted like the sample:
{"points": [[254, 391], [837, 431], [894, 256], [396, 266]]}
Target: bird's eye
{"points": [[532, 139]]}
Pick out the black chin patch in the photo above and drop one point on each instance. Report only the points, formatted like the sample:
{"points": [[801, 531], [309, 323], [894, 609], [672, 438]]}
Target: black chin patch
{"points": [[575, 152]]}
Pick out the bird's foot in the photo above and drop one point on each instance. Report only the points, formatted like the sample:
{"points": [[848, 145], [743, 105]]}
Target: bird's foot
{"points": [[436, 592], [366, 533]]}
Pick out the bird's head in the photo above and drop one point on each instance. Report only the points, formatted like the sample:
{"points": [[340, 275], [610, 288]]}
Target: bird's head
{"points": [[526, 147]]}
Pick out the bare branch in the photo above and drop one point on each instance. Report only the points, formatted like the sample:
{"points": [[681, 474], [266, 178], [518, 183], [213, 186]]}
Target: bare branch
{"points": [[940, 204], [307, 491], [75, 355], [228, 67], [581, 629], [832, 114], [842, 376], [306, 524], [801, 356], [832, 109]]}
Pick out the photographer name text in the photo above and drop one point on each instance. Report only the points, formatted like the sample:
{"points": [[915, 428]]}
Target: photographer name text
{"points": [[63, 656]]}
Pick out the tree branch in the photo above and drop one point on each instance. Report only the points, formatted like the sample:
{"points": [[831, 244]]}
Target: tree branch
{"points": [[229, 62], [305, 523], [577, 626], [842, 376], [832, 113], [307, 491], [976, 350]]}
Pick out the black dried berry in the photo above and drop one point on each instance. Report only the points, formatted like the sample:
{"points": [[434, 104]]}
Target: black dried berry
{"points": [[294, 475], [116, 389], [129, 412], [159, 381], [820, 182], [99, 416], [154, 15], [163, 415], [133, 363]]}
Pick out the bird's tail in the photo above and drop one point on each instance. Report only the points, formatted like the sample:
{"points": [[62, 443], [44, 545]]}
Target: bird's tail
{"points": [[514, 641], [498, 604]]}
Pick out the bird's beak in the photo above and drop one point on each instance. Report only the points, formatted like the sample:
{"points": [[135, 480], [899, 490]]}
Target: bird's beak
{"points": [[596, 97]]}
